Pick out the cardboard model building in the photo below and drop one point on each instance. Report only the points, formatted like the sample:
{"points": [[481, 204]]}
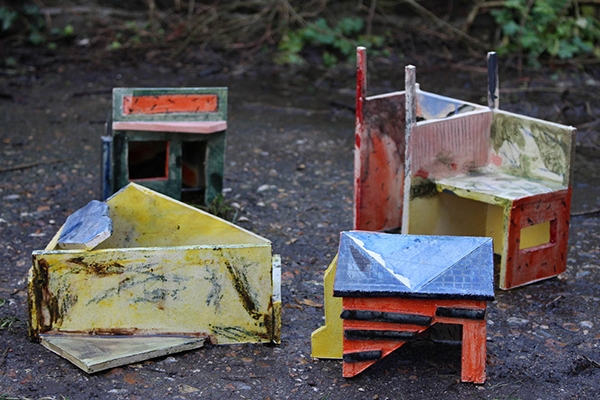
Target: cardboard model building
{"points": [[433, 165], [171, 140], [395, 289], [142, 275]]}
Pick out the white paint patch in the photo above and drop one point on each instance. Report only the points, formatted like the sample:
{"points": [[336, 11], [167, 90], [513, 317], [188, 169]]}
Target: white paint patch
{"points": [[377, 257]]}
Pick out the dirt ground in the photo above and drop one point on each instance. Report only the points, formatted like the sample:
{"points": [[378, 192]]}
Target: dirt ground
{"points": [[289, 167]]}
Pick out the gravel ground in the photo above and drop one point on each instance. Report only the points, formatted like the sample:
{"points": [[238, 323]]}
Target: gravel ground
{"points": [[289, 167]]}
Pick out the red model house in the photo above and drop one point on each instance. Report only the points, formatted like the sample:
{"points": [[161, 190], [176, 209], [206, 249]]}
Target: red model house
{"points": [[396, 287]]}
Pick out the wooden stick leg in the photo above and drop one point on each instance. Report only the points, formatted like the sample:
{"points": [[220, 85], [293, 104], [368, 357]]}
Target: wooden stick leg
{"points": [[473, 352]]}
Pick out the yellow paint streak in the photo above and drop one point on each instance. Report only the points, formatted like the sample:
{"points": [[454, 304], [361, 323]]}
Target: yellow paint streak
{"points": [[164, 290]]}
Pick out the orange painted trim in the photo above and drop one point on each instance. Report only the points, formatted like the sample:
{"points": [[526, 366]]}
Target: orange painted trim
{"points": [[409, 306], [474, 352], [358, 324], [533, 264], [170, 103], [473, 339]]}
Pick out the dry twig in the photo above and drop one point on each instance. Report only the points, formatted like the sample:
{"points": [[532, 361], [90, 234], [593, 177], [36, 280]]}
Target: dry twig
{"points": [[28, 165], [428, 14]]}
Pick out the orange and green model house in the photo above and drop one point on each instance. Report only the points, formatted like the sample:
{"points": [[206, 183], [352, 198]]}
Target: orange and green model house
{"points": [[171, 140]]}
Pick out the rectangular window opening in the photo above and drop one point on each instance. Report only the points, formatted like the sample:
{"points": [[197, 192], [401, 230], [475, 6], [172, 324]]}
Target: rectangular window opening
{"points": [[534, 236], [193, 165], [148, 159]]}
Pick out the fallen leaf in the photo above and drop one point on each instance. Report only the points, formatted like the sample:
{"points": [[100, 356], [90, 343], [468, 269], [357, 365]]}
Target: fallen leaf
{"points": [[287, 277], [188, 389], [570, 327], [311, 303], [554, 343], [132, 378]]}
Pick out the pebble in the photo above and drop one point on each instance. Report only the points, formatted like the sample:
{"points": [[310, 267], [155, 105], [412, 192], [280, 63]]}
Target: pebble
{"points": [[517, 321], [586, 324]]}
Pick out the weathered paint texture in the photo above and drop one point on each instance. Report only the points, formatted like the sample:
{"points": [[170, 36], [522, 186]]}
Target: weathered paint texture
{"points": [[175, 103], [452, 146], [213, 101], [532, 148], [396, 287], [380, 164], [532, 264], [475, 153], [167, 269], [368, 341]]}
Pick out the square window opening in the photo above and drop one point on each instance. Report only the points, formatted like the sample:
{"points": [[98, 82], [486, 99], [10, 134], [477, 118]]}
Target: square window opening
{"points": [[148, 159], [535, 236]]}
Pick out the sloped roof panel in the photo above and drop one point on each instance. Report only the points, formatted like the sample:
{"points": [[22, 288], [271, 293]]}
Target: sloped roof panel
{"points": [[382, 264]]}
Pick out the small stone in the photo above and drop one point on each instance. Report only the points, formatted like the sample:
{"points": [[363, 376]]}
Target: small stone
{"points": [[118, 391], [586, 324], [517, 321], [262, 188]]}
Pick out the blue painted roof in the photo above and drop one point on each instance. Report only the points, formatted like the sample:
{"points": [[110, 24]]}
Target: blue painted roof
{"points": [[374, 264], [86, 227]]}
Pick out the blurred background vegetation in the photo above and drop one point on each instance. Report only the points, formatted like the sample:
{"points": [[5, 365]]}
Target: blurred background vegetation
{"points": [[297, 33]]}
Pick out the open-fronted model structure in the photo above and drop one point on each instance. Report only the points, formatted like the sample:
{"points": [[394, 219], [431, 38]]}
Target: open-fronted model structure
{"points": [[429, 164], [162, 277]]}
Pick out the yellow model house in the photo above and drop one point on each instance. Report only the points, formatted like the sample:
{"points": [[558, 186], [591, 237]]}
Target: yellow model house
{"points": [[150, 276]]}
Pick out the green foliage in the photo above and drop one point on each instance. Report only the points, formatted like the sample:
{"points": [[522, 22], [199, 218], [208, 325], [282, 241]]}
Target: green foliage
{"points": [[221, 208], [7, 17], [336, 42], [558, 28], [7, 322], [28, 22]]}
